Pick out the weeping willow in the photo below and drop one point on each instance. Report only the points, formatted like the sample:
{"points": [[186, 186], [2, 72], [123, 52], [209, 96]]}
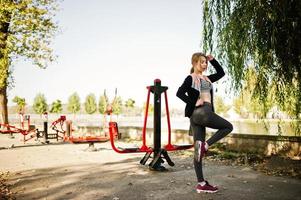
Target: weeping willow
{"points": [[265, 34]]}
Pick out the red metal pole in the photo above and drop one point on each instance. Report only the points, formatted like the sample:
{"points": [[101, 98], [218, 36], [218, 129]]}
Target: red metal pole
{"points": [[169, 146], [145, 119], [28, 122], [168, 121]]}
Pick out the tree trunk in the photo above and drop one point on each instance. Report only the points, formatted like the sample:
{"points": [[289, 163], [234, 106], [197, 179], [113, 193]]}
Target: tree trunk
{"points": [[3, 106], [4, 64]]}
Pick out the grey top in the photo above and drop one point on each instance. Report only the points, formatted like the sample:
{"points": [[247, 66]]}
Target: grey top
{"points": [[205, 86]]}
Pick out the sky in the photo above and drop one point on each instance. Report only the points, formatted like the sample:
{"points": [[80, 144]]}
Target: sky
{"points": [[103, 45]]}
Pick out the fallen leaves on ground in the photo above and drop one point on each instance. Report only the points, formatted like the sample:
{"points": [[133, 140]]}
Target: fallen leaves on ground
{"points": [[5, 192], [271, 165]]}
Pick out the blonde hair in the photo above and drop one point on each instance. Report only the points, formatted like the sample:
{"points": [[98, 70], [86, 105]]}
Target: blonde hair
{"points": [[195, 58]]}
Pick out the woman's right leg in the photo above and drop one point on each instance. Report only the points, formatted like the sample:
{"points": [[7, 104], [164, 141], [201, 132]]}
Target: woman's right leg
{"points": [[199, 140], [198, 136], [198, 125]]}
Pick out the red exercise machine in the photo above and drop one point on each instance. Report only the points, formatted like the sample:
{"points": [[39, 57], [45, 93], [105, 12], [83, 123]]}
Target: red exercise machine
{"points": [[32, 132], [56, 126], [158, 153], [84, 139], [28, 132]]}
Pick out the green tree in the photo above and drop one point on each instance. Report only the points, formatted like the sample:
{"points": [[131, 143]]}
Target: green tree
{"points": [[129, 107], [290, 100], [90, 104], [21, 103], [248, 102], [220, 106], [26, 30], [117, 105], [73, 103], [150, 108], [103, 103], [130, 103], [238, 105], [40, 104], [264, 33], [56, 106]]}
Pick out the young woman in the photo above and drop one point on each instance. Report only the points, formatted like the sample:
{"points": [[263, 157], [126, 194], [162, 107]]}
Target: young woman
{"points": [[197, 93]]}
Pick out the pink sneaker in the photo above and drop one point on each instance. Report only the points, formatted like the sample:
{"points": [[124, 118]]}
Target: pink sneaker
{"points": [[207, 188], [200, 150]]}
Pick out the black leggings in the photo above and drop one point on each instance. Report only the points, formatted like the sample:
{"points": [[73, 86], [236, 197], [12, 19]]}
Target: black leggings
{"points": [[201, 118]]}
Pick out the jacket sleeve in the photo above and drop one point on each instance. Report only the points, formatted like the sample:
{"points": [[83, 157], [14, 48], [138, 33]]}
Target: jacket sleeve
{"points": [[182, 91], [219, 71]]}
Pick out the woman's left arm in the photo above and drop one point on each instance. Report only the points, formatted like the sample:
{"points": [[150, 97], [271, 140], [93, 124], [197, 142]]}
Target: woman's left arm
{"points": [[219, 70]]}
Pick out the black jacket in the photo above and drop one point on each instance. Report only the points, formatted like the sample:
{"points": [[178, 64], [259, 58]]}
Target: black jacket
{"points": [[190, 95]]}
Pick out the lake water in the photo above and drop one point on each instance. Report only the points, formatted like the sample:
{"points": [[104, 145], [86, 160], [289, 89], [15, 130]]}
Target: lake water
{"points": [[243, 126]]}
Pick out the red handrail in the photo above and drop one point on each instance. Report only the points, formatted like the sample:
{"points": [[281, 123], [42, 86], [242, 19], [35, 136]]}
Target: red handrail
{"points": [[145, 120], [169, 146], [113, 129], [168, 119]]}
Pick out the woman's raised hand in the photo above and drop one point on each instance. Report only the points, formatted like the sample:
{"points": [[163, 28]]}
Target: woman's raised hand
{"points": [[210, 57]]}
